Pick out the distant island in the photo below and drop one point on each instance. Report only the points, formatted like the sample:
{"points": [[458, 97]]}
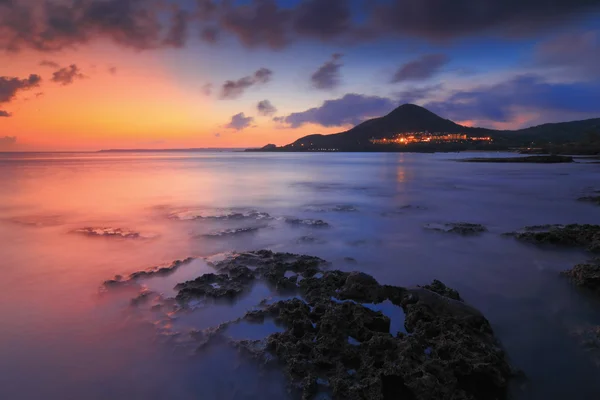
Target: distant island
{"points": [[224, 149], [411, 128]]}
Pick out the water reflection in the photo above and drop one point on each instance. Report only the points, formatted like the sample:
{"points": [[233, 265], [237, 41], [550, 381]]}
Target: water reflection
{"points": [[79, 344]]}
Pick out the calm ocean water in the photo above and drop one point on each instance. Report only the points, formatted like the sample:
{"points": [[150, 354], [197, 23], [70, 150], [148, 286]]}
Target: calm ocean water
{"points": [[61, 337]]}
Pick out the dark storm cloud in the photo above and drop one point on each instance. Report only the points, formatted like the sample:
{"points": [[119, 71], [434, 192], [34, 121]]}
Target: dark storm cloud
{"points": [[578, 52], [210, 34], [323, 19], [68, 75], [265, 108], [10, 86], [503, 102], [328, 75], [5, 113], [234, 89], [48, 63], [53, 25], [239, 122], [178, 33], [7, 140], [440, 19], [258, 23], [422, 68], [351, 109]]}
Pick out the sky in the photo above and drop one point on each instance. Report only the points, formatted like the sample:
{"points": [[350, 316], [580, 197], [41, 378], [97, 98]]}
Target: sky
{"points": [[99, 74]]}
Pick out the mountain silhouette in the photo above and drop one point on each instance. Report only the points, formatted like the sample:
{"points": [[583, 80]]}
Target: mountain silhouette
{"points": [[413, 118]]}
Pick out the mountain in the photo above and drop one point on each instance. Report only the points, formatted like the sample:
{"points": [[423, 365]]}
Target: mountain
{"points": [[413, 118]]}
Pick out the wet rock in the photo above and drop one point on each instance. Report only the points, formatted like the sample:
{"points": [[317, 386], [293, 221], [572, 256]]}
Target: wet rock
{"points": [[109, 233], [234, 231], [586, 275], [154, 271], [443, 290], [227, 285], [317, 223], [334, 341], [590, 199], [461, 228], [573, 235], [190, 214], [530, 159], [449, 353]]}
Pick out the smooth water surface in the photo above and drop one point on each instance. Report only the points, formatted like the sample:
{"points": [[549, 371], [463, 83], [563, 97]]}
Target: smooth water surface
{"points": [[63, 338]]}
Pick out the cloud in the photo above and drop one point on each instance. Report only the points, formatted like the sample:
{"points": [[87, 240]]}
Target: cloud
{"points": [[240, 122], [48, 63], [112, 70], [351, 109], [7, 140], [422, 68], [328, 75], [210, 34], [443, 20], [414, 95], [234, 89], [505, 101], [207, 89], [257, 23], [5, 114], [578, 52], [217, 135], [55, 25], [68, 75], [10, 86], [323, 19], [265, 108], [178, 33]]}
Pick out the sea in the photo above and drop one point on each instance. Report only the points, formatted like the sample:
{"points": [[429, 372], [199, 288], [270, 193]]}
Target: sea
{"points": [[71, 221]]}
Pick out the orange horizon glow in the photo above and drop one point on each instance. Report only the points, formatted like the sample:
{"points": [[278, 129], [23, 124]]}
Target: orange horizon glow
{"points": [[140, 106]]}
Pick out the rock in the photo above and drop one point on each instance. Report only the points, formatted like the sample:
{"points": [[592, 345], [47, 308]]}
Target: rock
{"points": [[586, 275], [591, 199], [443, 290], [530, 159], [573, 235], [461, 228], [317, 223], [450, 351], [336, 342]]}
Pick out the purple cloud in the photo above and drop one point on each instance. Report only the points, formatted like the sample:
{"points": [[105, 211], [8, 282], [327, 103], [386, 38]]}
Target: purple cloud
{"points": [[422, 68], [68, 75], [10, 86], [234, 89], [239, 122], [265, 108], [351, 109], [328, 75]]}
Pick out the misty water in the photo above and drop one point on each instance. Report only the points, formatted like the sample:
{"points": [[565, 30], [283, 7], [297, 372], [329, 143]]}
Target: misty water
{"points": [[68, 222]]}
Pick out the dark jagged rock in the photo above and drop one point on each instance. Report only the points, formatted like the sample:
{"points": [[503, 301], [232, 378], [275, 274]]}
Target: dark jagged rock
{"points": [[443, 290], [586, 275], [154, 271], [590, 199], [227, 285], [573, 235], [461, 228], [318, 223], [334, 342], [109, 233], [530, 159]]}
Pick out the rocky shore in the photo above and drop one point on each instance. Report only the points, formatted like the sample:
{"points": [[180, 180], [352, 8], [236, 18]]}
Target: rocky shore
{"points": [[573, 235], [336, 339], [530, 159]]}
